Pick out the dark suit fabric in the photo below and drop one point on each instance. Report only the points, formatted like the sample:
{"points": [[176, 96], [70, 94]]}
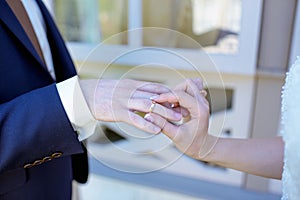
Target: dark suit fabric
{"points": [[33, 123]]}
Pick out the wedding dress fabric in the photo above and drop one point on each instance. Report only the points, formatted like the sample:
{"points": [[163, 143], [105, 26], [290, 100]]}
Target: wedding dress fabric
{"points": [[291, 133]]}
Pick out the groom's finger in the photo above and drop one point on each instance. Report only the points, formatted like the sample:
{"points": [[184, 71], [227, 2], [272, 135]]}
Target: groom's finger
{"points": [[141, 123], [154, 88], [167, 128], [142, 95]]}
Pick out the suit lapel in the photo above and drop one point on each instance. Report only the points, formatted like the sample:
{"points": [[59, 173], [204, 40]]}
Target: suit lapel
{"points": [[12, 23], [63, 64]]}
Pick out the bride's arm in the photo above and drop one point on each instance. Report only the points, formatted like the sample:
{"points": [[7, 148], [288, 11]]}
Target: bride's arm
{"points": [[262, 157]]}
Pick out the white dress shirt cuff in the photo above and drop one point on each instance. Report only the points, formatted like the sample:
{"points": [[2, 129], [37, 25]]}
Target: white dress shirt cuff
{"points": [[76, 107]]}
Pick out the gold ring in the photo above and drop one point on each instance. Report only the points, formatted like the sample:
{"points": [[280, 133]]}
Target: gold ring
{"points": [[203, 92], [152, 106]]}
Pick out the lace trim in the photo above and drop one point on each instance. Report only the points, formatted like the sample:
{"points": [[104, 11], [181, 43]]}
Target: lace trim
{"points": [[291, 133]]}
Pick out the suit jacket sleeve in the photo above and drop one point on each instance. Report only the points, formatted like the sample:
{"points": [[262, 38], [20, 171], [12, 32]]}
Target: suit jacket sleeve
{"points": [[34, 125]]}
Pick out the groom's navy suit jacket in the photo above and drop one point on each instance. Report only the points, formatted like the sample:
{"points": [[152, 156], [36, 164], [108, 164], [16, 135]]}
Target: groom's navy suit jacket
{"points": [[37, 141]]}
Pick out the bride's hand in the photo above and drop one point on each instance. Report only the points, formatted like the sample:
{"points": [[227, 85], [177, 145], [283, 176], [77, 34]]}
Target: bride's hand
{"points": [[191, 137]]}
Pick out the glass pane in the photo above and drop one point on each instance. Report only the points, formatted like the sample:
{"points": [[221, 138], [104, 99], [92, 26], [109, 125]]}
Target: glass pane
{"points": [[215, 24], [91, 20]]}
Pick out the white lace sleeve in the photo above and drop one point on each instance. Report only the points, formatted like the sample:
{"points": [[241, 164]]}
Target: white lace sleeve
{"points": [[291, 133]]}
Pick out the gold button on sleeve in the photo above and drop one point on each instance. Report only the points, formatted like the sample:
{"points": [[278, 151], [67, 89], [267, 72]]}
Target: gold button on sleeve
{"points": [[27, 166], [56, 155], [38, 162], [47, 158]]}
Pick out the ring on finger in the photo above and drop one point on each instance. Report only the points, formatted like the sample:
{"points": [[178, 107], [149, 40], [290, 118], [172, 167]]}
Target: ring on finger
{"points": [[153, 103]]}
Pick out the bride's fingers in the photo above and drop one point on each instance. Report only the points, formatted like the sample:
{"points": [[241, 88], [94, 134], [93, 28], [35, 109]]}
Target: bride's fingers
{"points": [[195, 103], [167, 128], [199, 83], [146, 105], [193, 88], [184, 112], [184, 86], [165, 97], [187, 95], [183, 98], [171, 97], [201, 104]]}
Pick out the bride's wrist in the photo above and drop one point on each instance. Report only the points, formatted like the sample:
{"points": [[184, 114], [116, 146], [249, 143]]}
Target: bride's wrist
{"points": [[207, 149]]}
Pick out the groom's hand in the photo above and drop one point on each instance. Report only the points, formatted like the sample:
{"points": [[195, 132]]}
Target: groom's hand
{"points": [[118, 101]]}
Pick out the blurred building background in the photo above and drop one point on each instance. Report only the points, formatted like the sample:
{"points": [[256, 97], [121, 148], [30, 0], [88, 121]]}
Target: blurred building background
{"points": [[246, 47]]}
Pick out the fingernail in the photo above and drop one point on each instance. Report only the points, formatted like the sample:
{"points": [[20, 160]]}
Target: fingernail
{"points": [[154, 97], [149, 118]]}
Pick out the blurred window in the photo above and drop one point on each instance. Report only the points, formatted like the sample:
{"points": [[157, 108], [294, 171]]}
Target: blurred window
{"points": [[90, 20], [215, 24]]}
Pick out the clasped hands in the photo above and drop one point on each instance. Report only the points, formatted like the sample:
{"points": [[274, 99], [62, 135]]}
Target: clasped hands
{"points": [[123, 100]]}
